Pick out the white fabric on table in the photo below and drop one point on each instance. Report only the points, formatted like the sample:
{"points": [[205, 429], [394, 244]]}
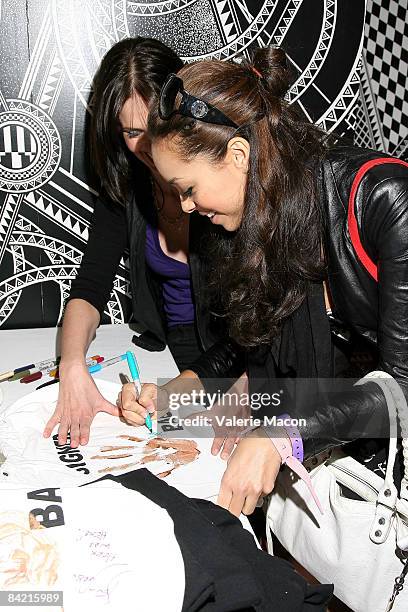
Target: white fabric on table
{"points": [[34, 460], [107, 548]]}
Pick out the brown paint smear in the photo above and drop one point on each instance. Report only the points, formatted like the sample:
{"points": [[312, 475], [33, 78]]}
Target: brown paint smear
{"points": [[186, 452]]}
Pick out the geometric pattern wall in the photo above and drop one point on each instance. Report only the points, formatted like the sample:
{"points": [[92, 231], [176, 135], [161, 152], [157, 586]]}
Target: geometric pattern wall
{"points": [[49, 52], [382, 116]]}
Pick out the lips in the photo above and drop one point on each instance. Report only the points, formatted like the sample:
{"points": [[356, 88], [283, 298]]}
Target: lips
{"points": [[204, 214]]}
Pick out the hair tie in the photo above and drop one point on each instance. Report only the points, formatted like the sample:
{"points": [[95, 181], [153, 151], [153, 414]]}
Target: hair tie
{"points": [[256, 72]]}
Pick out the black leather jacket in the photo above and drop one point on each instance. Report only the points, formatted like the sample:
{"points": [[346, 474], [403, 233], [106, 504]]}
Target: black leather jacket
{"points": [[376, 311]]}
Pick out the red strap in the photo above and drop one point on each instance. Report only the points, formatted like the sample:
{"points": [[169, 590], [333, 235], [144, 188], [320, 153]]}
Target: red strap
{"points": [[363, 256]]}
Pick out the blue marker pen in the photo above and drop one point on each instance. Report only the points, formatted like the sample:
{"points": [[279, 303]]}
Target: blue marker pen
{"points": [[104, 364], [134, 372]]}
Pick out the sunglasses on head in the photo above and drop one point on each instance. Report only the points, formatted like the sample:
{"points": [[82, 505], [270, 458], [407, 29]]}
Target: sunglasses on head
{"points": [[189, 106]]}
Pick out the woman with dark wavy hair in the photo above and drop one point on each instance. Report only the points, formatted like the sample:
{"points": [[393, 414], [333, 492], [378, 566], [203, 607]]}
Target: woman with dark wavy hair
{"points": [[296, 295], [139, 211], [280, 226]]}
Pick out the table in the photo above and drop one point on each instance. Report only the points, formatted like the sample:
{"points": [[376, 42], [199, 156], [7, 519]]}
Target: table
{"points": [[19, 347], [22, 346]]}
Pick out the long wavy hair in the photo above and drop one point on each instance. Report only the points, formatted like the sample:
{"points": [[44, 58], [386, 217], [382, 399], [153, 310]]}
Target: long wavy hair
{"points": [[261, 272], [132, 66]]}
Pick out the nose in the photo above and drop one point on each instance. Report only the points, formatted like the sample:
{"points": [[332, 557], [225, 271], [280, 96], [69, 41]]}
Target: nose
{"points": [[187, 205]]}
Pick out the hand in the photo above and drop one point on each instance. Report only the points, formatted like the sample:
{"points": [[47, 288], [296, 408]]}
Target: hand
{"points": [[79, 400], [225, 438], [237, 405], [251, 472], [135, 411]]}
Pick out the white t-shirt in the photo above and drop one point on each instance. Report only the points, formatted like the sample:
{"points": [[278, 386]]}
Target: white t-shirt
{"points": [[115, 447], [107, 548]]}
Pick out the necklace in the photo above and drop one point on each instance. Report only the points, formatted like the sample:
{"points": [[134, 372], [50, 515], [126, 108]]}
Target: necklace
{"points": [[159, 207]]}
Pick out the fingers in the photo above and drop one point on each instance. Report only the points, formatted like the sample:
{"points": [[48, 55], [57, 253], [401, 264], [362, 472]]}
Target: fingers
{"points": [[224, 496], [225, 445], [133, 418], [127, 395], [79, 425], [239, 494], [229, 444], [63, 431], [231, 497], [128, 402], [134, 407], [78, 421], [217, 445], [109, 408], [135, 411], [249, 504], [150, 407], [237, 503], [84, 431], [49, 428], [251, 472], [74, 433], [132, 411], [78, 402], [148, 397]]}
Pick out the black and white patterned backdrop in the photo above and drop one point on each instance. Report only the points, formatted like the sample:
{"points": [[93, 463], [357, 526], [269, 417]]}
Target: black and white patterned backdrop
{"points": [[382, 114], [49, 51]]}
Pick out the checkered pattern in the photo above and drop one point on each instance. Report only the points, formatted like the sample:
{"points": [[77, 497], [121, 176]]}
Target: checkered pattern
{"points": [[382, 116], [17, 147]]}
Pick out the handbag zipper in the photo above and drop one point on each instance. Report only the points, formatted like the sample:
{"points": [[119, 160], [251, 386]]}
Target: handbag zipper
{"points": [[346, 471]]}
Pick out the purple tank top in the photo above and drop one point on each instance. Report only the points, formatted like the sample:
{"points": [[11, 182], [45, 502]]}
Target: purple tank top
{"points": [[176, 281]]}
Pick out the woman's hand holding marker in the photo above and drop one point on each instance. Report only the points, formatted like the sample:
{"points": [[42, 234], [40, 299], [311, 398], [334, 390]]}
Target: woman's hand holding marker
{"points": [[154, 400], [134, 372], [136, 408]]}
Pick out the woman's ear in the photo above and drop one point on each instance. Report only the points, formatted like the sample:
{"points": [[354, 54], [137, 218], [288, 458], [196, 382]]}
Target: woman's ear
{"points": [[238, 153]]}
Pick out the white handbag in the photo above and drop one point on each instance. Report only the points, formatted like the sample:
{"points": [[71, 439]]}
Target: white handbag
{"points": [[359, 546]]}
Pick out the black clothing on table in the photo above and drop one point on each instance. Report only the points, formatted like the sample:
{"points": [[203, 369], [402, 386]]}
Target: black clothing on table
{"points": [[224, 569]]}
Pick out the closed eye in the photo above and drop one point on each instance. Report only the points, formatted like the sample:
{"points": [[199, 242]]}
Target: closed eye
{"points": [[133, 133], [188, 193]]}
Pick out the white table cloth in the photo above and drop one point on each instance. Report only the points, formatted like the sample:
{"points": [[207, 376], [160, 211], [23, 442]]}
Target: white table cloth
{"points": [[19, 347]]}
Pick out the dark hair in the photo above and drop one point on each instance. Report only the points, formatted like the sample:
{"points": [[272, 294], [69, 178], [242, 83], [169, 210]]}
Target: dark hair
{"points": [[262, 270], [133, 65]]}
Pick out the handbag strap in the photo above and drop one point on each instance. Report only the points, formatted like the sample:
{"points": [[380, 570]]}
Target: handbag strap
{"points": [[387, 500], [372, 269], [361, 253]]}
